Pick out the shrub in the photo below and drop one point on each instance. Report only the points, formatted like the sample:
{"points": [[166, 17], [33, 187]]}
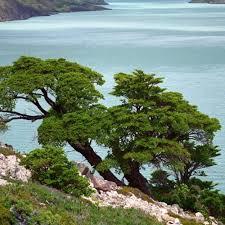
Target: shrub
{"points": [[195, 196], [50, 167]]}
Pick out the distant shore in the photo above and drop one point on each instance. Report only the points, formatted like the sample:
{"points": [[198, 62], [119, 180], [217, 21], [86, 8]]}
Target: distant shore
{"points": [[208, 1], [17, 10]]}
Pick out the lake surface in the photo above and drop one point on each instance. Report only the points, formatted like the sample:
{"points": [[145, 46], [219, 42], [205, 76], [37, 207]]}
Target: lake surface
{"points": [[185, 43]]}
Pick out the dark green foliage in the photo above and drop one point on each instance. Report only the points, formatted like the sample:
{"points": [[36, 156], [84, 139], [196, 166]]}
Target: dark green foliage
{"points": [[195, 196], [160, 180], [33, 204], [51, 167], [155, 126], [151, 126], [6, 217], [60, 93]]}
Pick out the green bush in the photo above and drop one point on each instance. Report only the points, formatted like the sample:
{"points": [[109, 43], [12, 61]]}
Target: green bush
{"points": [[195, 196], [50, 167]]}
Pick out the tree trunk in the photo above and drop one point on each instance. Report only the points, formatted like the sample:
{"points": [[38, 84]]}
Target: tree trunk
{"points": [[136, 179], [87, 151]]}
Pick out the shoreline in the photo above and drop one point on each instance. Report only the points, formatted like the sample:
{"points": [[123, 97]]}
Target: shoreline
{"points": [[26, 12]]}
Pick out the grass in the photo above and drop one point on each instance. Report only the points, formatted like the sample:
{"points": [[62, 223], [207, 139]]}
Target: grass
{"points": [[38, 205], [8, 151], [185, 221], [128, 191]]}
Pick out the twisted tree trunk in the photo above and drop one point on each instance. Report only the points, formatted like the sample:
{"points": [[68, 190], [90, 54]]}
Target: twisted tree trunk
{"points": [[136, 179], [87, 151]]}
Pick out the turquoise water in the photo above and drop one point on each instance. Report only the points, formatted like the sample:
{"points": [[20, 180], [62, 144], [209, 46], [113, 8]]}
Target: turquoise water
{"points": [[185, 43]]}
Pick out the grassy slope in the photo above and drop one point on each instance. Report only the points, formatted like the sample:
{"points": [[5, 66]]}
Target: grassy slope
{"points": [[39, 205]]}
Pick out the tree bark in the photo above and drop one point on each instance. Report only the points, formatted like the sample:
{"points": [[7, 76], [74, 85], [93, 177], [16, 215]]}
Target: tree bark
{"points": [[136, 179], [87, 151]]}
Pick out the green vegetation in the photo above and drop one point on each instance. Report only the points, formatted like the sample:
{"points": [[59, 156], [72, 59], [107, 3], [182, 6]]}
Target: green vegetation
{"points": [[9, 151], [196, 196], [151, 126], [50, 166], [128, 191], [33, 204]]}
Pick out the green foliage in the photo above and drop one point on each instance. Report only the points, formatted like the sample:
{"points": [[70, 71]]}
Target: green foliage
{"points": [[160, 180], [5, 216], [10, 151], [128, 191], [51, 167], [195, 196], [155, 126], [34, 204], [151, 126]]}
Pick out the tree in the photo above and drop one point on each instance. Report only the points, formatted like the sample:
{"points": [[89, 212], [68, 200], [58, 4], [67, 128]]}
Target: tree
{"points": [[153, 126], [62, 94], [201, 157]]}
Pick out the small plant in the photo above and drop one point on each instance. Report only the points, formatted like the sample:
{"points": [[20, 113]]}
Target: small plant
{"points": [[9, 151], [128, 191], [5, 216], [50, 167]]}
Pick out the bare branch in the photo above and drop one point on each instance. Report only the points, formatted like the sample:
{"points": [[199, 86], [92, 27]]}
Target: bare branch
{"points": [[35, 102], [13, 115], [47, 99]]}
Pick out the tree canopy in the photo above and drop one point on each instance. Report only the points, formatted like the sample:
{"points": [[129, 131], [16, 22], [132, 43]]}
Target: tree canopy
{"points": [[157, 127], [151, 125]]}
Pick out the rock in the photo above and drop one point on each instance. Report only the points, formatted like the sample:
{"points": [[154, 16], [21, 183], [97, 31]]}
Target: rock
{"points": [[103, 185], [175, 209], [84, 170], [177, 222], [206, 223], [10, 167], [3, 182], [199, 217]]}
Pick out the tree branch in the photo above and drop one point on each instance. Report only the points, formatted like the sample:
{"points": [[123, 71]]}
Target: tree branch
{"points": [[34, 102], [47, 99], [16, 115]]}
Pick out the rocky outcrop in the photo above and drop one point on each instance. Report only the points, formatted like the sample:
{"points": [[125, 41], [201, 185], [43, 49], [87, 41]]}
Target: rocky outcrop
{"points": [[98, 183], [108, 194], [168, 214], [23, 9], [11, 169]]}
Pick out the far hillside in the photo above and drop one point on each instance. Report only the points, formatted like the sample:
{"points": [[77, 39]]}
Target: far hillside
{"points": [[24, 9]]}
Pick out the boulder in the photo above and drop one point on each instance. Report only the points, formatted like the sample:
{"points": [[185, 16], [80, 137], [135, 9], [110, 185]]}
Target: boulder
{"points": [[10, 167], [199, 217], [84, 170], [103, 185]]}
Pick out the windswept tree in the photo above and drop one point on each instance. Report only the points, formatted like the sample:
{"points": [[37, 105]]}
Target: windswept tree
{"points": [[62, 94], [153, 126]]}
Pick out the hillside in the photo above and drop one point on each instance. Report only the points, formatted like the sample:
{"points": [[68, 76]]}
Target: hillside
{"points": [[35, 191], [24, 9], [36, 204]]}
